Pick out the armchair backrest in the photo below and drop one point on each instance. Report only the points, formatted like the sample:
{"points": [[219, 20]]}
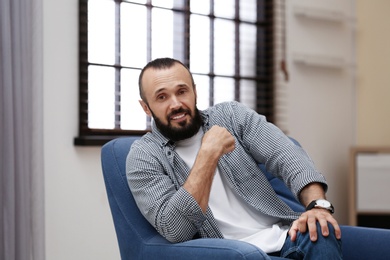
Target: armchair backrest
{"points": [[132, 229]]}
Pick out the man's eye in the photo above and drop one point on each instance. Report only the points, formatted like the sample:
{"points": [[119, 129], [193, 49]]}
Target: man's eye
{"points": [[161, 97]]}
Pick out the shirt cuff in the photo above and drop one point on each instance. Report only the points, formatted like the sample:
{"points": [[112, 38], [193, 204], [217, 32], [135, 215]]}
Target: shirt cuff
{"points": [[186, 204]]}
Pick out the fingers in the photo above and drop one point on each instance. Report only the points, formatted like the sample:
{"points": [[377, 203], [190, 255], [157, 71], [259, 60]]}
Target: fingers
{"points": [[302, 223], [307, 222], [293, 230], [219, 138], [337, 229]]}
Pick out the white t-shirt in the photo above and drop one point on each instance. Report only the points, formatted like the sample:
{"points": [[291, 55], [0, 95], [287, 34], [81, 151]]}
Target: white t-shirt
{"points": [[235, 218]]}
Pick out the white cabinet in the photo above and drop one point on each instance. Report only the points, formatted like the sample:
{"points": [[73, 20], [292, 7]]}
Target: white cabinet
{"points": [[370, 184]]}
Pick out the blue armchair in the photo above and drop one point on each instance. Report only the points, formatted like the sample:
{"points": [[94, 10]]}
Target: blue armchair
{"points": [[137, 239]]}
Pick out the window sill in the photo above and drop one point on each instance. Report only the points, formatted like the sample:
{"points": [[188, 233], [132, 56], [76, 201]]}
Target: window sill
{"points": [[93, 140], [98, 137]]}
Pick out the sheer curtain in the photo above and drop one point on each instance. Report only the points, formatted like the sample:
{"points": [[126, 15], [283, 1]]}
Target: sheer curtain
{"points": [[21, 126]]}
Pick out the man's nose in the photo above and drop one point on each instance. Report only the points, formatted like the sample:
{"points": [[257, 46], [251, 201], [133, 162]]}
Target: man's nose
{"points": [[175, 102]]}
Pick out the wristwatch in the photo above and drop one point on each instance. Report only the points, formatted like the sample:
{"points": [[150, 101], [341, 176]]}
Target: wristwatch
{"points": [[322, 204]]}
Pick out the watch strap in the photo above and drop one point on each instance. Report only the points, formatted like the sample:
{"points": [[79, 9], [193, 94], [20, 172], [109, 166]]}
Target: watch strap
{"points": [[314, 204]]}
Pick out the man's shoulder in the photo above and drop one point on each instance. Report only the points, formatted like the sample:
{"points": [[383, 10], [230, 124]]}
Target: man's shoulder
{"points": [[226, 110], [226, 107], [145, 142], [227, 104]]}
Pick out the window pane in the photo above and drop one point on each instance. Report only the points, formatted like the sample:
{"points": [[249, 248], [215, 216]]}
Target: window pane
{"points": [[199, 44], [133, 38], [224, 47], [163, 3], [101, 97], [224, 8], [101, 31], [203, 91], [200, 6], [139, 1], [223, 89], [248, 93], [132, 115], [248, 50], [162, 33], [248, 10]]}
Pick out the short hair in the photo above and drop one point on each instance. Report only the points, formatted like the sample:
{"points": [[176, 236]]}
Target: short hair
{"points": [[160, 63]]}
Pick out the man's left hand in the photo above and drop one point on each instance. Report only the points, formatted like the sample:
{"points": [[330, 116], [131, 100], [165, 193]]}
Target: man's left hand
{"points": [[308, 222]]}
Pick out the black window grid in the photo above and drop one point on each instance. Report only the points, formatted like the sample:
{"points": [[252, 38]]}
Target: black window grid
{"points": [[264, 65]]}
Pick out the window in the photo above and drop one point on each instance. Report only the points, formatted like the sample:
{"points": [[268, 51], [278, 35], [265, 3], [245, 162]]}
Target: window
{"points": [[227, 44]]}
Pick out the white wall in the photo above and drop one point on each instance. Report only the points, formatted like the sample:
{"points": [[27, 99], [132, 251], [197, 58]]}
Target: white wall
{"points": [[78, 220], [321, 99]]}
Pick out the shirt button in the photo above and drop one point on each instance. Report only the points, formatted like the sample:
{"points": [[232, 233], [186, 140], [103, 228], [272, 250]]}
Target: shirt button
{"points": [[169, 153]]}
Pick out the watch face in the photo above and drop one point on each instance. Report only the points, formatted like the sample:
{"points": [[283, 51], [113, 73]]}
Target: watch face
{"points": [[323, 203]]}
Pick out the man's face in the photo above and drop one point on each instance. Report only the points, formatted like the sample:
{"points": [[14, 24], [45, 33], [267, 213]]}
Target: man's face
{"points": [[171, 101]]}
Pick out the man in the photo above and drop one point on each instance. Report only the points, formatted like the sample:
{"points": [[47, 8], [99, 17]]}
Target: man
{"points": [[196, 174]]}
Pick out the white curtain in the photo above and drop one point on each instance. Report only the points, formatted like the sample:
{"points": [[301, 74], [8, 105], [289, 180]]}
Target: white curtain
{"points": [[21, 127]]}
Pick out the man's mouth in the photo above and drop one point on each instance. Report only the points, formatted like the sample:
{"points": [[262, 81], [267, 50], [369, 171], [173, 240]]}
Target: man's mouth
{"points": [[178, 116]]}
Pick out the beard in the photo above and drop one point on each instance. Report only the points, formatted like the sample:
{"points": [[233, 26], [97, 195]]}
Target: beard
{"points": [[185, 130]]}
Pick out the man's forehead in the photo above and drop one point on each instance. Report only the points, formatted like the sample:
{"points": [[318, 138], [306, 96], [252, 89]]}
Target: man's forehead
{"points": [[160, 75], [175, 67]]}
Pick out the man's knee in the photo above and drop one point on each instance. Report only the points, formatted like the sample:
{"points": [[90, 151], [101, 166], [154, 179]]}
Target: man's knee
{"points": [[331, 234], [325, 247]]}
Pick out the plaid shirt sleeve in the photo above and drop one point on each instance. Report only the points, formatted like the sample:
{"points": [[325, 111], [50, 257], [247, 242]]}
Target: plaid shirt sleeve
{"points": [[164, 203], [267, 144]]}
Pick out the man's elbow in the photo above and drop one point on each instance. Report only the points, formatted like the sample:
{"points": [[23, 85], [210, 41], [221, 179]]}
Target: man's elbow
{"points": [[176, 234]]}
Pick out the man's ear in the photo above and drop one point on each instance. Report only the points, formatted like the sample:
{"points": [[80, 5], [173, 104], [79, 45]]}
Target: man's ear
{"points": [[145, 107]]}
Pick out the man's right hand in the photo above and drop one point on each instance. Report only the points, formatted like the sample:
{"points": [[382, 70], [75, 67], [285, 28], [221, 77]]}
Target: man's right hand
{"points": [[218, 140]]}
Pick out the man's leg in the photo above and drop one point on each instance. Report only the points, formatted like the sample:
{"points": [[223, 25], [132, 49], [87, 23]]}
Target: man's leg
{"points": [[303, 248]]}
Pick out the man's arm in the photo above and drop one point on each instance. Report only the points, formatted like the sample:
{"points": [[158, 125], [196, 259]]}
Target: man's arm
{"points": [[311, 192], [162, 200], [215, 143], [176, 213], [308, 220], [269, 145]]}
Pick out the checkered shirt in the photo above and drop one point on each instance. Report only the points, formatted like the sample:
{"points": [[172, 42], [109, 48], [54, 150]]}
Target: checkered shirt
{"points": [[156, 173]]}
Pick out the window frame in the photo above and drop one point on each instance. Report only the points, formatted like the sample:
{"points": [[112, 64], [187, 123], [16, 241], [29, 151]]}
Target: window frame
{"points": [[264, 84]]}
